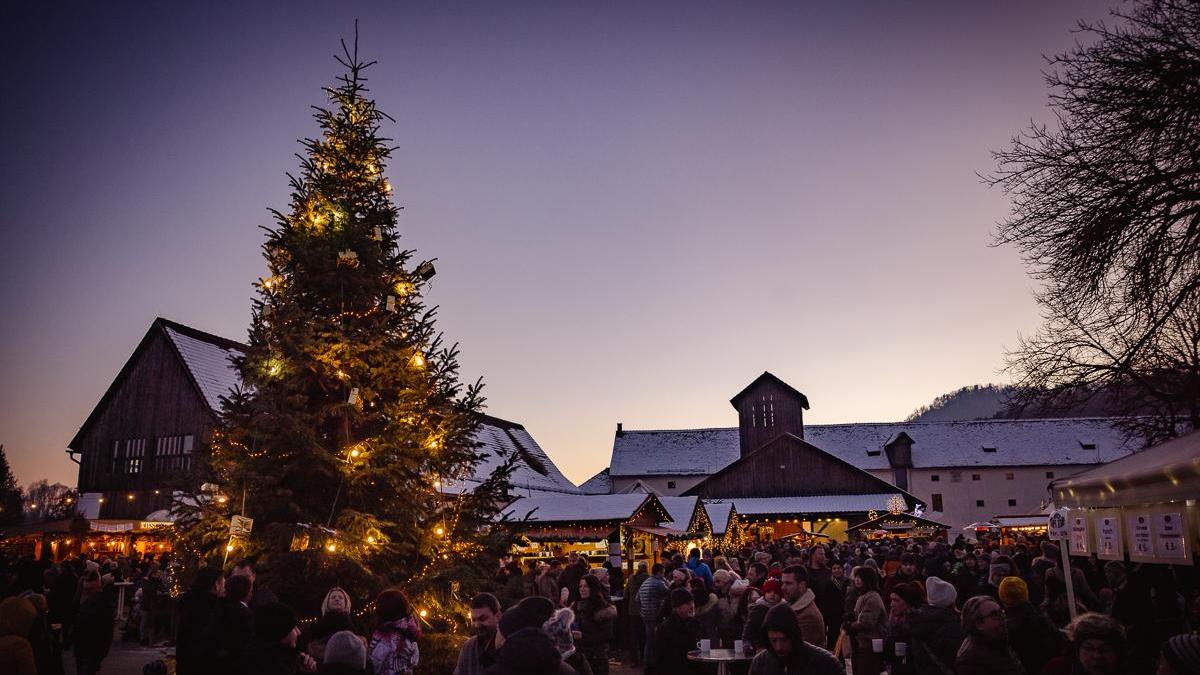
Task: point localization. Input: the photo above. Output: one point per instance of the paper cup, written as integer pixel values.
(901, 649)
(877, 645)
(739, 647)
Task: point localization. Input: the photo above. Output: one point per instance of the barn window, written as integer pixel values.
(1009, 475)
(991, 447)
(976, 476)
(762, 414)
(173, 453)
(670, 485)
(934, 478)
(979, 503)
(937, 501)
(127, 456)
(1012, 502)
(1049, 474)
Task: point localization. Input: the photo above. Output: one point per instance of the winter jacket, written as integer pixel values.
(198, 640)
(672, 642)
(1033, 637)
(812, 624)
(596, 632)
(476, 655)
(632, 586)
(935, 634)
(869, 620)
(753, 633)
(980, 656)
(94, 628)
(16, 618)
(652, 595)
(710, 617)
(393, 647)
(804, 660)
(700, 568)
(528, 651)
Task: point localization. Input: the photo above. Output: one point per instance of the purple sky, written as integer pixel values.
(637, 207)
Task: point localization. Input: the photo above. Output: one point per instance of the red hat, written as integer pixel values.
(772, 586)
(776, 571)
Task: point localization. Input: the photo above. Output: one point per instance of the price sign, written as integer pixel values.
(1108, 534)
(1056, 525)
(1141, 540)
(1169, 542)
(1080, 541)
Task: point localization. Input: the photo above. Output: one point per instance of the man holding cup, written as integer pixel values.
(677, 636)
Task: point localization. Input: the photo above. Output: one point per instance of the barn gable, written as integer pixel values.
(789, 467)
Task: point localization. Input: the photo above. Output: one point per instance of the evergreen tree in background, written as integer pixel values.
(10, 493)
(352, 417)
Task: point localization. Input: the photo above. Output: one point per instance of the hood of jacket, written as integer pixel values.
(804, 600)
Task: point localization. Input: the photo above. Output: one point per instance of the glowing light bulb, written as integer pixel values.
(370, 540)
(101, 500)
(331, 547)
(130, 497)
(437, 484)
(228, 547)
(423, 613)
(222, 499)
(342, 374)
(355, 452)
(439, 531)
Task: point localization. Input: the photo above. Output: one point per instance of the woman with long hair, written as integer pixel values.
(392, 649)
(867, 623)
(596, 616)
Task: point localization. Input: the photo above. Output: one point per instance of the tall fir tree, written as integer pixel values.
(11, 502)
(352, 416)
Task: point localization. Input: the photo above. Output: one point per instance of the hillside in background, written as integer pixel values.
(976, 402)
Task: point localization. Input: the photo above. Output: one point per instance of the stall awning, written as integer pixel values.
(899, 522)
(1168, 471)
(1020, 521)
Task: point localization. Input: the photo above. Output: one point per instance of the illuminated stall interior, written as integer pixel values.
(899, 526)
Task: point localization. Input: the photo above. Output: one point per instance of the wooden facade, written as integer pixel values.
(767, 408)
(137, 443)
(787, 467)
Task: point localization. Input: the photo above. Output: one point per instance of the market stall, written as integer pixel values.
(899, 526)
(1142, 506)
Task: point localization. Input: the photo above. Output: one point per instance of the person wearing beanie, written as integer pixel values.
(1180, 656)
(907, 573)
(935, 631)
(345, 654)
(273, 650)
(787, 651)
(1098, 647)
(1033, 637)
(525, 649)
(677, 636)
(985, 650)
(752, 633)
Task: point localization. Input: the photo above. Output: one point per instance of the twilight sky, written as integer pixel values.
(637, 207)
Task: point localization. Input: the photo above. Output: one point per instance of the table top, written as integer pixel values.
(718, 656)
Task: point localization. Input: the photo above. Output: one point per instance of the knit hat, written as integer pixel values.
(273, 621)
(1049, 550)
(537, 608)
(515, 618)
(344, 648)
(772, 586)
(1183, 653)
(1013, 590)
(909, 593)
(940, 593)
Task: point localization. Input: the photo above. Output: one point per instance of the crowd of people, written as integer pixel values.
(904, 608)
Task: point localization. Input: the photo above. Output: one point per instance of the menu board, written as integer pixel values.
(1141, 538)
(1169, 540)
(1080, 542)
(1108, 534)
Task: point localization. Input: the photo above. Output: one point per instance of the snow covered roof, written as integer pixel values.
(771, 506)
(600, 484)
(533, 473)
(718, 515)
(680, 509)
(210, 364)
(562, 508)
(1037, 442)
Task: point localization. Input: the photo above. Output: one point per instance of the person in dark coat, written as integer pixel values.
(63, 600)
(986, 650)
(198, 640)
(787, 651)
(1033, 637)
(935, 630)
(273, 650)
(677, 636)
(93, 626)
(596, 616)
(523, 648)
(236, 624)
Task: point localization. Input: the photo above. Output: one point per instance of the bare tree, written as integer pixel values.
(49, 501)
(1106, 211)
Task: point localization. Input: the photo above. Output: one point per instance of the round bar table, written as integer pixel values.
(721, 657)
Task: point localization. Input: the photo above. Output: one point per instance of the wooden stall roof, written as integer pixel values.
(898, 521)
(1168, 471)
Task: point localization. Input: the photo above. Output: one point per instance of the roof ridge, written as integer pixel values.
(197, 334)
(1026, 420)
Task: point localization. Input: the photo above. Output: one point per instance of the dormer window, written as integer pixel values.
(1087, 444)
(989, 447)
(874, 452)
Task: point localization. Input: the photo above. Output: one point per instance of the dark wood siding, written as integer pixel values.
(788, 467)
(153, 398)
(767, 411)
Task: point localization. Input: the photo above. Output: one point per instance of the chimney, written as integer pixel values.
(620, 430)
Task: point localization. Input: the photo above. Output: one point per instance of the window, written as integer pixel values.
(173, 453)
(934, 478)
(1012, 502)
(670, 485)
(127, 456)
(762, 414)
(989, 448)
(1049, 474)
(874, 452)
(975, 476)
(979, 503)
(1010, 475)
(937, 501)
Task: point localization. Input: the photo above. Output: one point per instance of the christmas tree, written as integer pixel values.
(351, 416)
(10, 493)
